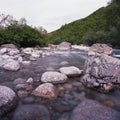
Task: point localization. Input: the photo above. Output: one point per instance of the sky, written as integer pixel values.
(50, 14)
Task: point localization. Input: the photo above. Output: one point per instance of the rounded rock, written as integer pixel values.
(31, 112)
(54, 77)
(92, 110)
(46, 90)
(19, 81)
(71, 71)
(7, 99)
(11, 65)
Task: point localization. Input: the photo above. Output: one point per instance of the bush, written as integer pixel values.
(21, 35)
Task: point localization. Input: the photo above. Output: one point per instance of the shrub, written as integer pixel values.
(21, 35)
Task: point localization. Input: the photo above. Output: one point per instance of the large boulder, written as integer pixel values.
(7, 99)
(31, 112)
(92, 110)
(64, 46)
(71, 71)
(46, 90)
(102, 72)
(98, 48)
(53, 77)
(11, 65)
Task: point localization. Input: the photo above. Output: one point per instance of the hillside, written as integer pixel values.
(101, 26)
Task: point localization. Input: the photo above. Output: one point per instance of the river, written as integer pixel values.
(75, 92)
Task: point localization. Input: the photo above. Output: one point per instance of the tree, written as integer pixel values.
(19, 33)
(41, 30)
(22, 21)
(6, 20)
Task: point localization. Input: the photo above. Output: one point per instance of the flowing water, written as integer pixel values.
(74, 93)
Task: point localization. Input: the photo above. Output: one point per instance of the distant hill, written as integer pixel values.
(101, 26)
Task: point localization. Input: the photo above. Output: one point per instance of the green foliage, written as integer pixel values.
(74, 31)
(102, 26)
(21, 35)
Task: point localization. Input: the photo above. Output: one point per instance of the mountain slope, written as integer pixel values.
(97, 27)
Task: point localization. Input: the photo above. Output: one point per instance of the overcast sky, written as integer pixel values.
(50, 14)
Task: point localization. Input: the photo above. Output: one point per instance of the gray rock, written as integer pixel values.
(99, 48)
(21, 87)
(102, 72)
(28, 100)
(54, 77)
(7, 99)
(64, 63)
(92, 110)
(12, 46)
(11, 65)
(1, 61)
(30, 80)
(26, 62)
(3, 50)
(13, 52)
(31, 112)
(28, 51)
(71, 71)
(22, 93)
(46, 90)
(52, 46)
(64, 46)
(19, 81)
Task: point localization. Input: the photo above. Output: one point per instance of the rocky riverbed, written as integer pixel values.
(45, 84)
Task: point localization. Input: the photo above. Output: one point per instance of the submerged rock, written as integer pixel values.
(7, 99)
(64, 63)
(54, 77)
(92, 110)
(31, 112)
(102, 72)
(70, 71)
(19, 81)
(46, 90)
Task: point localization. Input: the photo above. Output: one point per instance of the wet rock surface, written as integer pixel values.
(92, 110)
(71, 71)
(11, 65)
(102, 72)
(53, 77)
(46, 90)
(31, 112)
(7, 100)
(98, 49)
(70, 93)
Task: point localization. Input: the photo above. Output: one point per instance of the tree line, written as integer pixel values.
(19, 33)
(102, 26)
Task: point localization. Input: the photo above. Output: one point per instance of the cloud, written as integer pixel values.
(50, 14)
